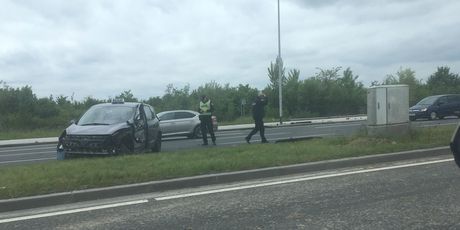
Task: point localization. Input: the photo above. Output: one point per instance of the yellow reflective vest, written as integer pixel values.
(205, 107)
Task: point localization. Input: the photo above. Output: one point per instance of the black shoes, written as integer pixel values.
(248, 139)
(205, 144)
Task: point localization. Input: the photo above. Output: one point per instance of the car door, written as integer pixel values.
(184, 121)
(152, 123)
(140, 128)
(454, 100)
(443, 106)
(450, 106)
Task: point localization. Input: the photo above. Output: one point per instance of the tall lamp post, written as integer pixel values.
(279, 62)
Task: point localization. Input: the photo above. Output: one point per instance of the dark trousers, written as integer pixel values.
(259, 127)
(206, 126)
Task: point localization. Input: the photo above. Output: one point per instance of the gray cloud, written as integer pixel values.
(103, 47)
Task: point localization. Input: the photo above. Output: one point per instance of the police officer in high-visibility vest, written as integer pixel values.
(205, 110)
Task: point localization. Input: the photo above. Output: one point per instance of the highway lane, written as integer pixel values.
(421, 194)
(46, 152)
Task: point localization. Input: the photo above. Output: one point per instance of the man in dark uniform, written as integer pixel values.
(206, 108)
(258, 114)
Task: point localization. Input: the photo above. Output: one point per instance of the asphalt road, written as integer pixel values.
(46, 152)
(420, 194)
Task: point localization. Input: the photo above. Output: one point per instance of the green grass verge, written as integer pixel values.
(76, 174)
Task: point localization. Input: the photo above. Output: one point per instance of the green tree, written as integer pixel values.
(390, 80)
(407, 76)
(353, 95)
(127, 96)
(328, 90)
(443, 81)
(291, 94)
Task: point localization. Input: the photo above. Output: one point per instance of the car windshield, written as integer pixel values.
(427, 101)
(107, 115)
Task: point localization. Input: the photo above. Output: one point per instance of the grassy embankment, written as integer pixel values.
(76, 174)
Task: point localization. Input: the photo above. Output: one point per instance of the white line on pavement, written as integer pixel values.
(24, 154)
(25, 149)
(336, 126)
(433, 125)
(73, 211)
(298, 180)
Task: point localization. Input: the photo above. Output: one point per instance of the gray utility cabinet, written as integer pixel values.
(388, 104)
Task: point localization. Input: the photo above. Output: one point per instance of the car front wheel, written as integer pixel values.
(433, 115)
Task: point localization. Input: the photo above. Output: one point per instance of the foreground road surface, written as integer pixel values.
(403, 195)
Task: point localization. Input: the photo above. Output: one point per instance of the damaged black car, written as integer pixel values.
(112, 129)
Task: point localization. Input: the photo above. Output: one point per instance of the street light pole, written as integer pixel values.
(279, 62)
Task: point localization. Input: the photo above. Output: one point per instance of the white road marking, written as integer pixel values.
(72, 211)
(25, 149)
(433, 125)
(24, 154)
(297, 180)
(335, 126)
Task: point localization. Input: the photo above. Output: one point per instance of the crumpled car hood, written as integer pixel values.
(95, 129)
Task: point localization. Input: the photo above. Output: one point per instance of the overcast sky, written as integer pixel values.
(100, 48)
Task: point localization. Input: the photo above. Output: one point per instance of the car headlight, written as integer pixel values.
(424, 109)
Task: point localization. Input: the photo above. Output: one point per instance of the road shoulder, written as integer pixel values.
(211, 179)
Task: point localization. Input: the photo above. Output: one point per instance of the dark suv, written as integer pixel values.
(438, 106)
(111, 129)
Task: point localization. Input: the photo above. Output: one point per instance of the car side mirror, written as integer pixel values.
(138, 121)
(73, 121)
(137, 118)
